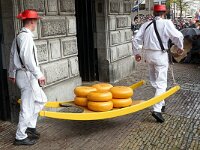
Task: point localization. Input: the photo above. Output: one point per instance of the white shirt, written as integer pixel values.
(27, 51)
(149, 39)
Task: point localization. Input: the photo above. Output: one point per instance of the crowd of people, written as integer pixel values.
(137, 21)
(185, 23)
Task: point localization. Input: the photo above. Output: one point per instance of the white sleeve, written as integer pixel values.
(12, 68)
(27, 56)
(137, 40)
(175, 35)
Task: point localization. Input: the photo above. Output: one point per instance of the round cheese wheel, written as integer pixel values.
(100, 106)
(119, 103)
(98, 96)
(121, 92)
(80, 101)
(83, 91)
(102, 86)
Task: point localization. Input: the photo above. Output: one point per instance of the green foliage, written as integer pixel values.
(182, 5)
(168, 3)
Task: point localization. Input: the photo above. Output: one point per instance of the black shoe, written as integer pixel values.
(32, 133)
(163, 109)
(26, 141)
(158, 116)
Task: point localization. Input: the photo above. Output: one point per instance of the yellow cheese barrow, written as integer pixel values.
(116, 112)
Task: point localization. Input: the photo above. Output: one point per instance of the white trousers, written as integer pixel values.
(158, 64)
(33, 100)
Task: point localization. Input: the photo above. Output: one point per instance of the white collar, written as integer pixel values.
(158, 18)
(27, 30)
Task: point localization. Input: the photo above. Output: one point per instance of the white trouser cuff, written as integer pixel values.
(157, 107)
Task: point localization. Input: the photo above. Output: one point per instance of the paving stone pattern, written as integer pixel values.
(138, 131)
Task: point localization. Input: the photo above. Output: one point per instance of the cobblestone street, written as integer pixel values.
(138, 131)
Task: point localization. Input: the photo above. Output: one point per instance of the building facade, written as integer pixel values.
(77, 40)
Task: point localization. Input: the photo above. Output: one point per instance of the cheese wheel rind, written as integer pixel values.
(100, 106)
(81, 101)
(102, 86)
(119, 103)
(83, 91)
(98, 96)
(121, 92)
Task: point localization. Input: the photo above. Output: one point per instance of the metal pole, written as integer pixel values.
(149, 7)
(174, 11)
(138, 9)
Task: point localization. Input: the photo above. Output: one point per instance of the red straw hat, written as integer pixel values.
(28, 14)
(159, 8)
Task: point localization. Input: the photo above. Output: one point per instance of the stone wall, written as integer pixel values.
(119, 39)
(113, 39)
(101, 41)
(56, 42)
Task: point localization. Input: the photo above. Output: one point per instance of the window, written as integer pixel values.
(163, 2)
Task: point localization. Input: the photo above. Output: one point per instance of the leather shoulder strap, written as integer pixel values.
(158, 36)
(18, 51)
(148, 25)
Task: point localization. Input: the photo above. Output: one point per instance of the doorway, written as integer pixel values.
(86, 29)
(5, 113)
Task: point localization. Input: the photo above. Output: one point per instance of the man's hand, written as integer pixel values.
(180, 51)
(12, 80)
(138, 57)
(42, 81)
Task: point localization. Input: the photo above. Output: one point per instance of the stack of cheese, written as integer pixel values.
(81, 93)
(121, 96)
(103, 97)
(100, 100)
